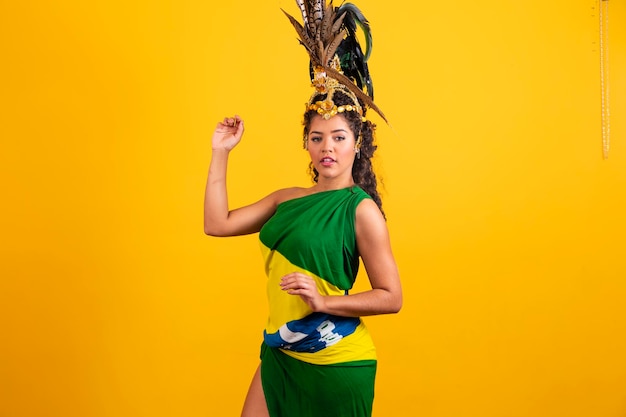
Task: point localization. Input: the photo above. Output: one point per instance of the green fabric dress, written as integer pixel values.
(315, 364)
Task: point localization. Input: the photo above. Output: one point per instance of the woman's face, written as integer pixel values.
(331, 147)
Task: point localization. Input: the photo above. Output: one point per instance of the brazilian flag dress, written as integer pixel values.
(315, 364)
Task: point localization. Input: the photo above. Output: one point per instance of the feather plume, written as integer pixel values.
(330, 50)
(320, 53)
(316, 14)
(303, 36)
(305, 17)
(327, 31)
(353, 61)
(310, 24)
(356, 17)
(338, 22)
(327, 22)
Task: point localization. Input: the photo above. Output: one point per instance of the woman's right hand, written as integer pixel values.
(228, 133)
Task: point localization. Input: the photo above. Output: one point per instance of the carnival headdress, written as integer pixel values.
(337, 62)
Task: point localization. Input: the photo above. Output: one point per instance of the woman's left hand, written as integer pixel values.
(303, 285)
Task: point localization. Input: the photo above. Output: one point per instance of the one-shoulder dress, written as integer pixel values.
(315, 364)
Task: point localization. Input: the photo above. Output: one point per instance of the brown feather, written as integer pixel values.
(338, 23)
(327, 23)
(320, 53)
(302, 7)
(355, 89)
(317, 16)
(332, 47)
(304, 37)
(310, 7)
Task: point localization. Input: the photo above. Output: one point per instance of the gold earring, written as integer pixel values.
(357, 146)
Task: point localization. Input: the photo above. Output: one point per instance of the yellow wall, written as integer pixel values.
(508, 225)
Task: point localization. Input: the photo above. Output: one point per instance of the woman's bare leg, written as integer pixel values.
(255, 405)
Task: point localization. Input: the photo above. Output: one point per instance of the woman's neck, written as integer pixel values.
(324, 184)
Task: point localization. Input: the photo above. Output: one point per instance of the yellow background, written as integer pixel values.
(508, 225)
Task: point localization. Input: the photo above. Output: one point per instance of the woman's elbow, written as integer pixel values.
(213, 230)
(395, 304)
(209, 229)
(396, 307)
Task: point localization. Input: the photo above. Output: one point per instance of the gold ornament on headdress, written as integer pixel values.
(327, 85)
(338, 64)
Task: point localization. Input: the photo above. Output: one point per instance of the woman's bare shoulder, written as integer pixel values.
(285, 194)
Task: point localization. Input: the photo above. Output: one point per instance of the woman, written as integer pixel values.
(337, 159)
(317, 357)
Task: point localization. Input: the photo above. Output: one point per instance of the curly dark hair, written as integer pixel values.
(362, 171)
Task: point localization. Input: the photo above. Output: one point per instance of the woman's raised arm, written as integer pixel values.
(218, 219)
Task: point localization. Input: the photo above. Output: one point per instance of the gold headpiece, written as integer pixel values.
(327, 85)
(337, 61)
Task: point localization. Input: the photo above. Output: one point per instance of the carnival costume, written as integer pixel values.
(317, 364)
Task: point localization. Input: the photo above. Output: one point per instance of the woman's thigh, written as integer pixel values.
(254, 405)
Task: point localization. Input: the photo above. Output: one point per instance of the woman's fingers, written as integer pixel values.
(300, 284)
(296, 280)
(231, 121)
(304, 286)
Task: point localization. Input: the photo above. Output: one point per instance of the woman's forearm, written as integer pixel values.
(367, 303)
(216, 195)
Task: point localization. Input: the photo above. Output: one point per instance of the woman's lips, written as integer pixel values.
(327, 161)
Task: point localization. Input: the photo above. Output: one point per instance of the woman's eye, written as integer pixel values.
(338, 138)
(315, 139)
